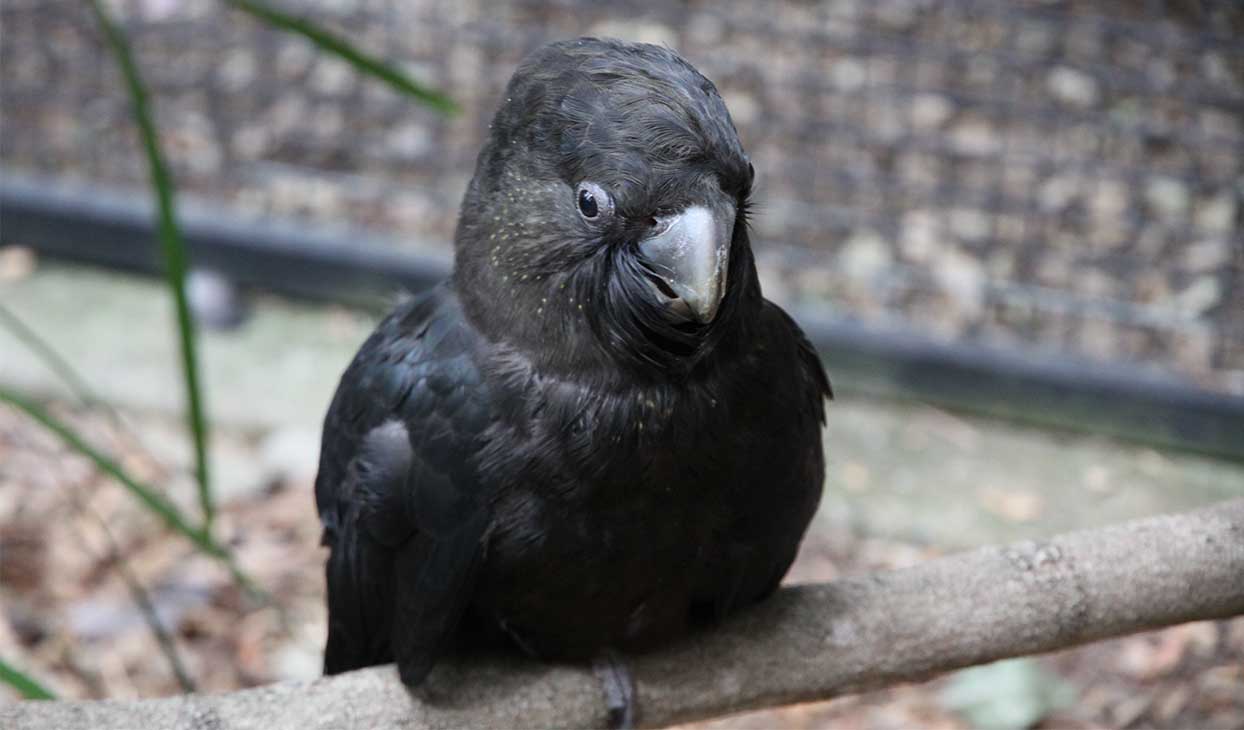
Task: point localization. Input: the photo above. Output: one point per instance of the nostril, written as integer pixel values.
(663, 286)
(653, 222)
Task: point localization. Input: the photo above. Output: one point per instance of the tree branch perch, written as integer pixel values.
(806, 643)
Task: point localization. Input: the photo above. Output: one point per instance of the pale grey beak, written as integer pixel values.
(688, 254)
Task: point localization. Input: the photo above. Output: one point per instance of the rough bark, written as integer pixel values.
(806, 643)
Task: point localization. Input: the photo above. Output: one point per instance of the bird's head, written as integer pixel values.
(606, 222)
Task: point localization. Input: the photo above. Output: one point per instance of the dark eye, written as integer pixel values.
(593, 201)
(587, 204)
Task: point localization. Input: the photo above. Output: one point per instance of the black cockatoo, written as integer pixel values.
(597, 433)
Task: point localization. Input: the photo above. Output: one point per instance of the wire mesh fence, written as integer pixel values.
(1060, 175)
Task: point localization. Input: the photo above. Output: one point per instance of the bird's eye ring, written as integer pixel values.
(594, 202)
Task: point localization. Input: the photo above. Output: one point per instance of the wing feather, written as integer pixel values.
(404, 515)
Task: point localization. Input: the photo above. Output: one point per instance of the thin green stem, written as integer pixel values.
(55, 362)
(23, 683)
(68, 375)
(174, 249)
(138, 593)
(145, 493)
(364, 62)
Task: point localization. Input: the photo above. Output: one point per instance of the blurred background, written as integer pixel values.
(1014, 229)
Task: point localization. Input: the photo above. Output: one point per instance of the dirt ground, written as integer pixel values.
(68, 618)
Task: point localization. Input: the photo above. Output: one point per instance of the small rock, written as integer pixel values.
(331, 76)
(1098, 338)
(1058, 191)
(637, 30)
(193, 144)
(1072, 87)
(1151, 241)
(976, 136)
(962, 276)
(1206, 256)
(969, 224)
(1219, 124)
(847, 74)
(921, 235)
(1203, 294)
(1193, 347)
(1108, 200)
(1161, 73)
(294, 58)
(930, 111)
(1217, 214)
(1168, 197)
(156, 11)
(287, 114)
(886, 121)
(328, 122)
(1216, 69)
(705, 29)
(251, 141)
(1096, 283)
(742, 105)
(237, 71)
(1033, 39)
(1081, 40)
(865, 255)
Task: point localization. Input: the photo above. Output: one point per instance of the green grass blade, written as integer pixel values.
(68, 375)
(146, 494)
(174, 250)
(28, 687)
(138, 593)
(50, 357)
(363, 62)
(142, 598)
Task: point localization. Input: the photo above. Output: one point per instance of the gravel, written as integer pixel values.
(1031, 143)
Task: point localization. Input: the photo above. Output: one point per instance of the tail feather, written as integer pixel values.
(360, 599)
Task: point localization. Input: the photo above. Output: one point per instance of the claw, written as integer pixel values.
(619, 687)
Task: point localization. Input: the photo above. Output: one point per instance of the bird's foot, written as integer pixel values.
(619, 687)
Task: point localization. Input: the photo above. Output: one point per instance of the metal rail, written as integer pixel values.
(106, 229)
